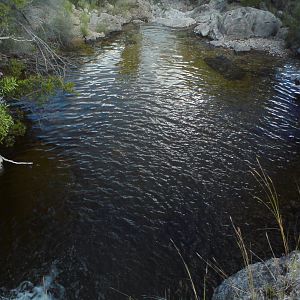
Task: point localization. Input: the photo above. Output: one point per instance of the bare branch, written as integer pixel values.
(13, 162)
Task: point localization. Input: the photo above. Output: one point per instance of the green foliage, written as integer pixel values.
(88, 3)
(292, 20)
(6, 122)
(16, 130)
(251, 3)
(16, 68)
(34, 87)
(122, 6)
(40, 88)
(67, 6)
(7, 10)
(8, 85)
(84, 24)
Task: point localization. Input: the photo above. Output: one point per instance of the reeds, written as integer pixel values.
(271, 201)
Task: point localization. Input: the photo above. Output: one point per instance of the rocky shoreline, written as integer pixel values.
(277, 278)
(241, 29)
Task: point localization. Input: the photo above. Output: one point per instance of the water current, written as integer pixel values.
(153, 146)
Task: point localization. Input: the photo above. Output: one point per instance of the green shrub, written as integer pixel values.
(6, 122)
(292, 20)
(16, 68)
(17, 129)
(8, 85)
(61, 28)
(251, 3)
(122, 6)
(84, 24)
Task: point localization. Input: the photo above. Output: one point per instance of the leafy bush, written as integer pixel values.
(7, 85)
(88, 3)
(252, 3)
(17, 129)
(84, 24)
(16, 68)
(6, 122)
(292, 20)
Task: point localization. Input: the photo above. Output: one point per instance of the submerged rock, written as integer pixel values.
(277, 278)
(225, 67)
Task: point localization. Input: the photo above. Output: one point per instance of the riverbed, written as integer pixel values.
(154, 146)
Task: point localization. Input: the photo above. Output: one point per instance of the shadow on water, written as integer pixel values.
(156, 145)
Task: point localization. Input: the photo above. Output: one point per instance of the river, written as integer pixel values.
(153, 146)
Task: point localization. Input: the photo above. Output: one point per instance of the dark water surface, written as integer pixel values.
(155, 146)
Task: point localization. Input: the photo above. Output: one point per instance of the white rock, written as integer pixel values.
(176, 19)
(203, 29)
(94, 36)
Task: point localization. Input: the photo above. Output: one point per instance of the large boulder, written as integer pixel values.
(105, 22)
(246, 22)
(142, 11)
(239, 23)
(176, 19)
(277, 278)
(208, 24)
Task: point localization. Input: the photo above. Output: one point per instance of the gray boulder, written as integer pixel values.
(141, 11)
(176, 19)
(239, 23)
(277, 278)
(246, 22)
(208, 24)
(105, 22)
(94, 37)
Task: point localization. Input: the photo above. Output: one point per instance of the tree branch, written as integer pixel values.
(13, 162)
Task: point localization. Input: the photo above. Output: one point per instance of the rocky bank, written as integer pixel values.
(228, 25)
(219, 22)
(277, 278)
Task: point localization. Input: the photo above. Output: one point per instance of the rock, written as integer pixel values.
(218, 4)
(105, 23)
(142, 11)
(203, 29)
(297, 80)
(277, 278)
(246, 22)
(137, 22)
(225, 67)
(176, 19)
(208, 24)
(94, 36)
(282, 33)
(239, 48)
(279, 13)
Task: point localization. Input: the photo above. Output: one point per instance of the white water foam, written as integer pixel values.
(48, 290)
